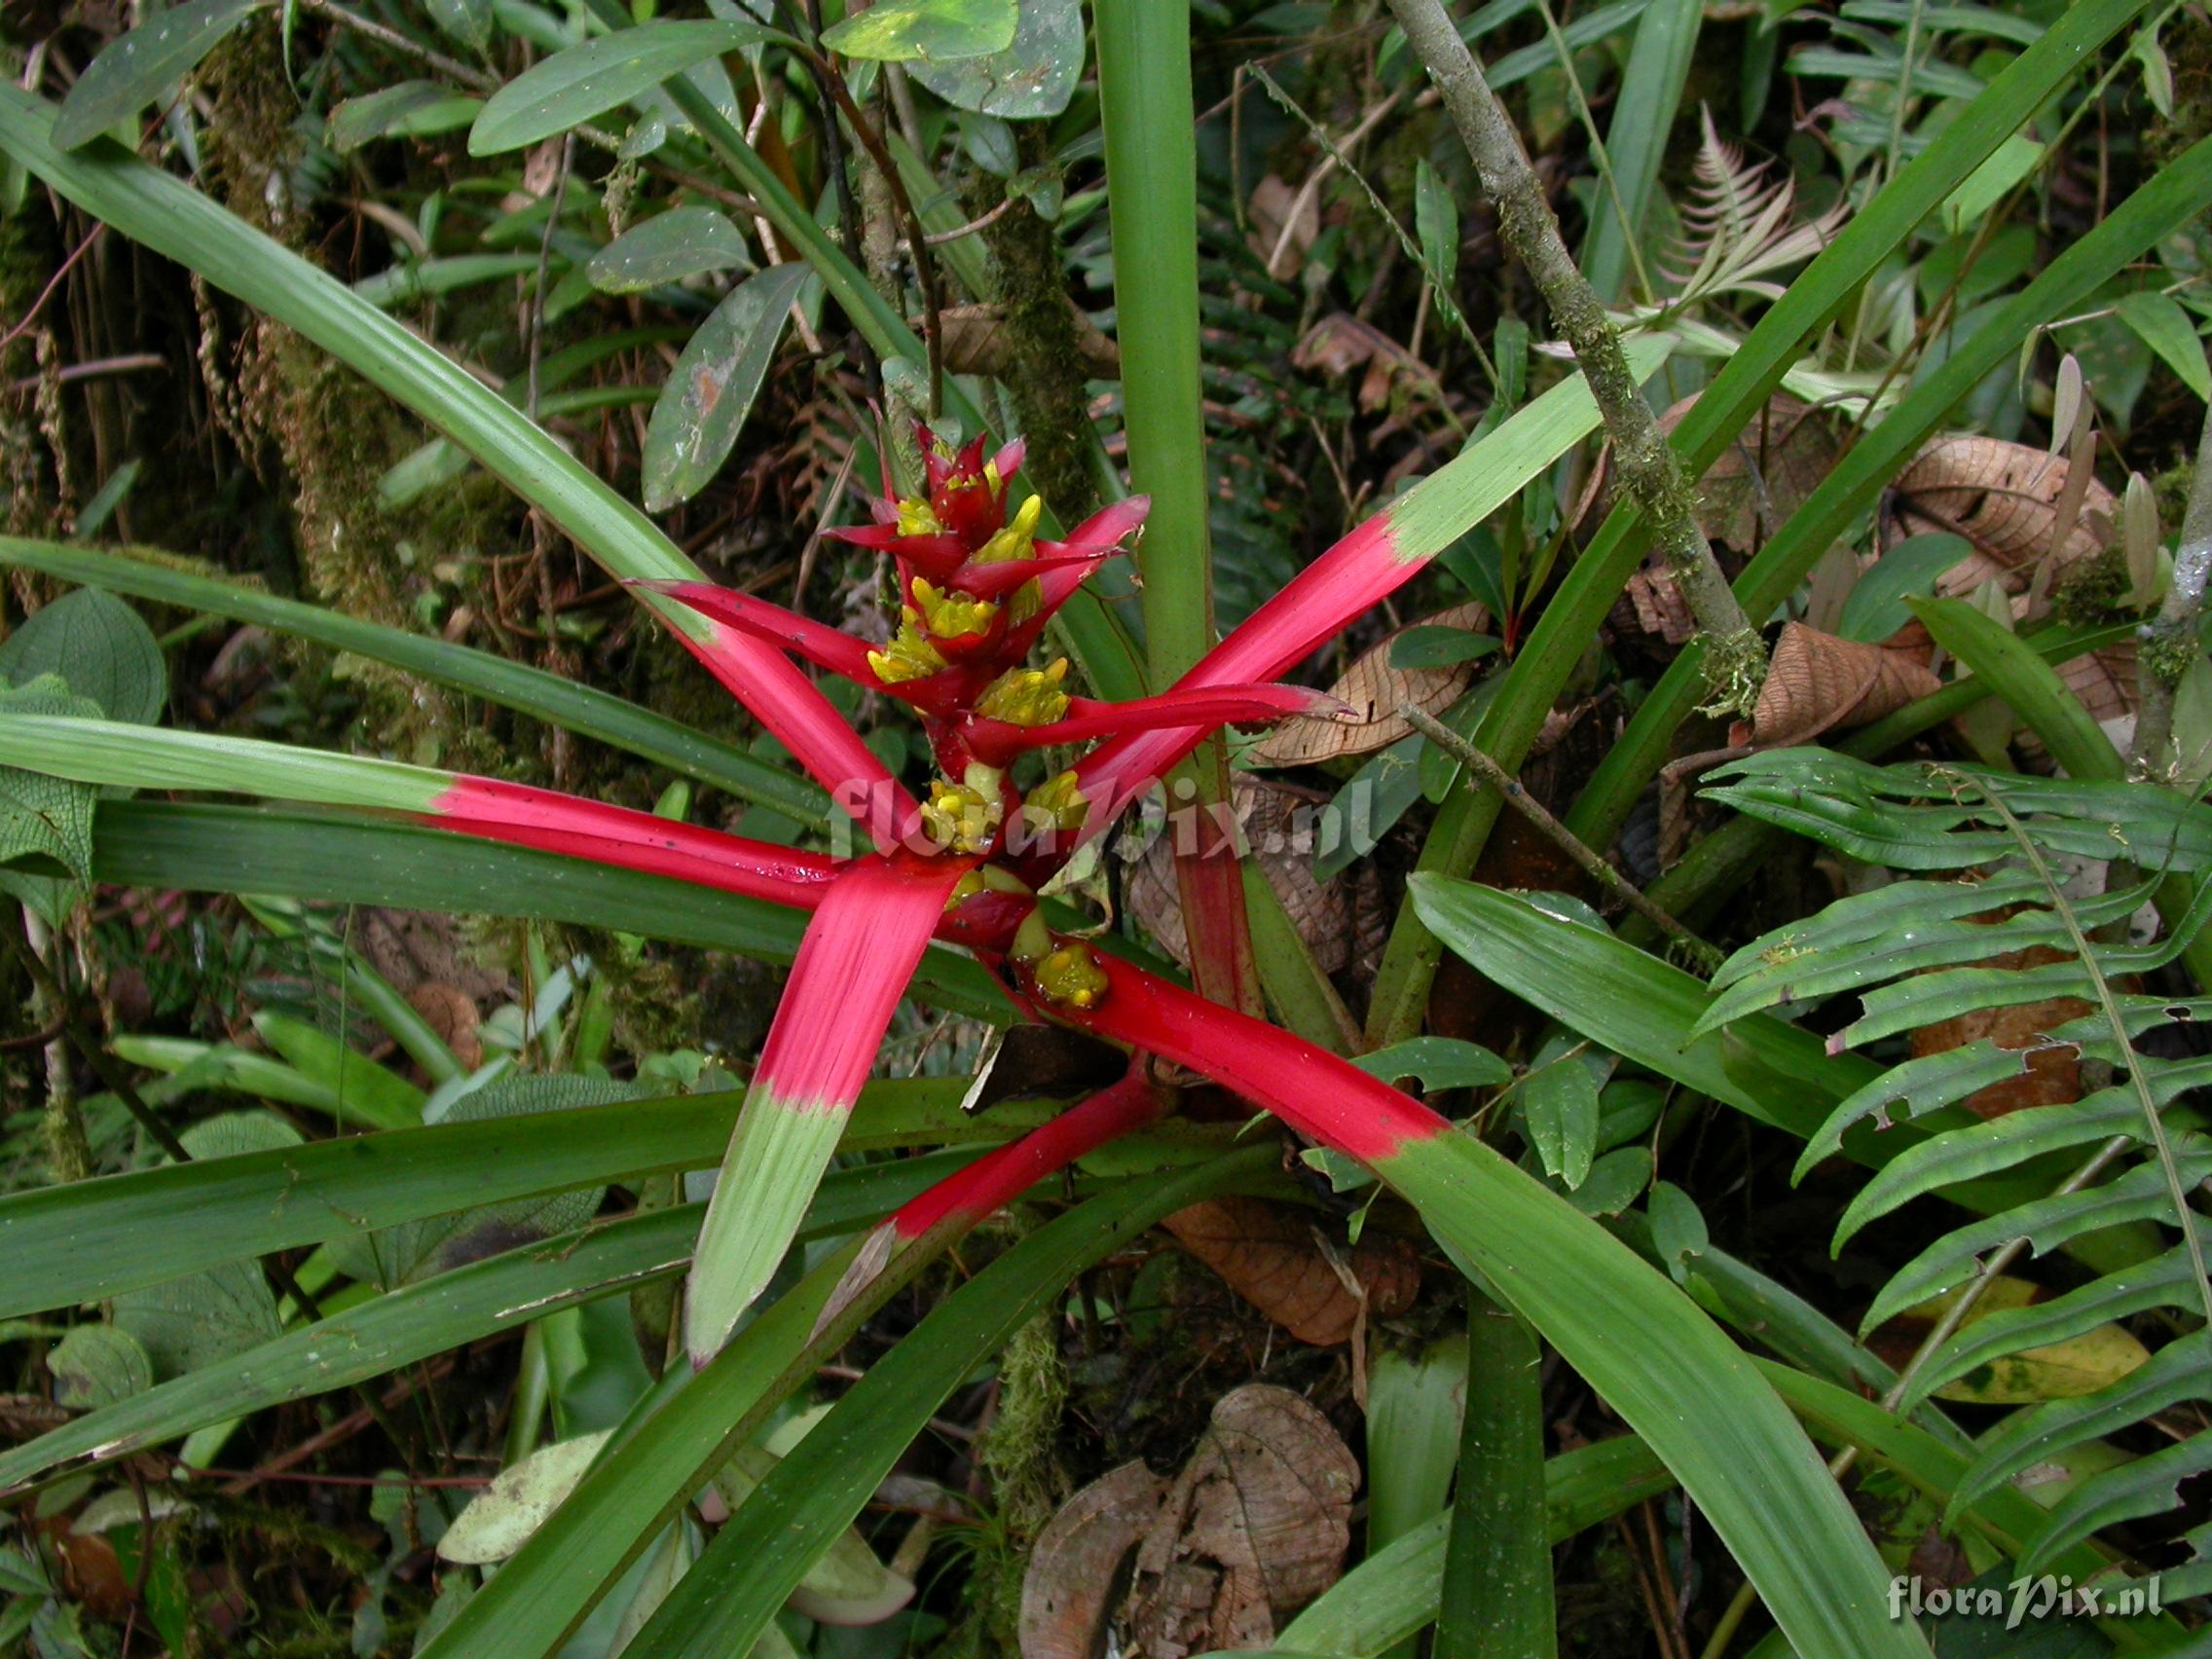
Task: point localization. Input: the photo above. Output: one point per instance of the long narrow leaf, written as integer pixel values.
(331, 860)
(1640, 1342)
(578, 708)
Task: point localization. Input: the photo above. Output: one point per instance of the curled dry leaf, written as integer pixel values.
(1660, 608)
(1080, 1565)
(1340, 343)
(1342, 920)
(1778, 460)
(452, 1013)
(1374, 691)
(2005, 499)
(1254, 1527)
(976, 344)
(1817, 682)
(1276, 204)
(1269, 1256)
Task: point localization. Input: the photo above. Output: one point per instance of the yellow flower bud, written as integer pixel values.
(959, 819)
(1057, 803)
(1026, 696)
(909, 655)
(950, 616)
(1017, 539)
(1071, 978)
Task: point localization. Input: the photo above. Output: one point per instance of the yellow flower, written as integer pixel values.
(950, 616)
(960, 819)
(1026, 696)
(909, 655)
(1071, 978)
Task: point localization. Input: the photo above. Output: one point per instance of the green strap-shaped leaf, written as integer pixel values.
(1393, 1594)
(331, 860)
(578, 708)
(141, 66)
(79, 1243)
(587, 80)
(386, 1332)
(765, 1548)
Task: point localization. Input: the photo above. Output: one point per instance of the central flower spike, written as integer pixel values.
(1026, 696)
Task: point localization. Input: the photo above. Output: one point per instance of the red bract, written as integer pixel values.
(976, 587)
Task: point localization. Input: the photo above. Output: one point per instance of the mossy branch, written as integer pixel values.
(2167, 645)
(1735, 662)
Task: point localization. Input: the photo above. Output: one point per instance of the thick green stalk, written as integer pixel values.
(1497, 1567)
(1144, 90)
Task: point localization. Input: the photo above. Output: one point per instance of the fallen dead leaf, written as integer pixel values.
(452, 1013)
(1079, 1568)
(1267, 1255)
(1818, 682)
(976, 343)
(2004, 498)
(1341, 919)
(2050, 1073)
(1256, 1526)
(1374, 691)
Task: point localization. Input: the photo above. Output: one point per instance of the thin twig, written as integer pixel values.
(1735, 660)
(1559, 835)
(52, 283)
(430, 58)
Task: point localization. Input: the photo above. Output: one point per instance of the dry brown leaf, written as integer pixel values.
(452, 1015)
(1255, 1527)
(976, 343)
(1660, 607)
(1766, 474)
(1374, 691)
(2004, 498)
(2051, 1073)
(1275, 203)
(1817, 682)
(1338, 918)
(1069, 1586)
(1267, 1255)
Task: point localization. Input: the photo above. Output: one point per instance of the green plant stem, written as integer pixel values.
(1498, 1599)
(1144, 90)
(1527, 806)
(2166, 647)
(1650, 469)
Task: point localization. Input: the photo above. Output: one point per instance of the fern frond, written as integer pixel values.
(1923, 951)
(1739, 225)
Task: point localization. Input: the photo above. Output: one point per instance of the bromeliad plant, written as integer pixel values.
(982, 588)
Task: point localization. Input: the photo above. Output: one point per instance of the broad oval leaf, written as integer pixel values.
(101, 648)
(411, 109)
(709, 392)
(668, 248)
(1031, 79)
(586, 79)
(135, 70)
(906, 31)
(468, 21)
(500, 1518)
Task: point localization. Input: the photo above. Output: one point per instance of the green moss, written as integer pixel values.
(1734, 668)
(2093, 591)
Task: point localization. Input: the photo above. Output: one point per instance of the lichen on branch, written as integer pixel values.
(1734, 659)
